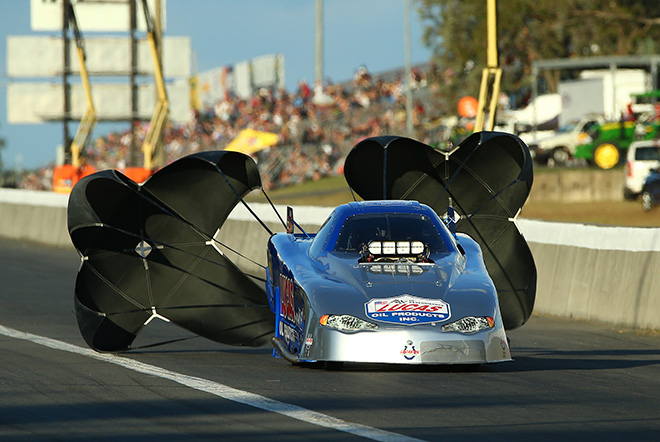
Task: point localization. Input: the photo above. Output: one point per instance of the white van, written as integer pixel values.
(641, 158)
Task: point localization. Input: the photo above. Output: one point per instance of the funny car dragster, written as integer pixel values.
(429, 268)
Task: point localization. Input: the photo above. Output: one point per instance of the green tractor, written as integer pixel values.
(607, 143)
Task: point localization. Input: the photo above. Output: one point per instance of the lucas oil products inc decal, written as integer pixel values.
(407, 310)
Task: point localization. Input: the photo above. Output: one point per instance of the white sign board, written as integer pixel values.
(241, 79)
(94, 16)
(214, 85)
(39, 102)
(267, 71)
(39, 56)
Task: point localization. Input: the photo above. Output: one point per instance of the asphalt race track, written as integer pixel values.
(569, 381)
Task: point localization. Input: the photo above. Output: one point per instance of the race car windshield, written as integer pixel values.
(359, 230)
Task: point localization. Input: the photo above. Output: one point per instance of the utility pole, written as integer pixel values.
(318, 65)
(408, 70)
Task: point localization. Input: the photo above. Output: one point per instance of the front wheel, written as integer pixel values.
(560, 156)
(606, 156)
(647, 201)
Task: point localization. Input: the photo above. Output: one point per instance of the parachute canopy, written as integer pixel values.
(148, 251)
(486, 179)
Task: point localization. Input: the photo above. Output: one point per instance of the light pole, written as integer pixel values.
(318, 64)
(407, 49)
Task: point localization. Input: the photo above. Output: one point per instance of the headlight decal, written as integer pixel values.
(470, 324)
(347, 323)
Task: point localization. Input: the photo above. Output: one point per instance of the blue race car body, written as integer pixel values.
(383, 282)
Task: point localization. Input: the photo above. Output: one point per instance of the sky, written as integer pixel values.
(224, 32)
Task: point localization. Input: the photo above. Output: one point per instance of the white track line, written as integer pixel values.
(217, 389)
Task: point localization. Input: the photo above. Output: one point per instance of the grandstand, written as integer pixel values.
(314, 136)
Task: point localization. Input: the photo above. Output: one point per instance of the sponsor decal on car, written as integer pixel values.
(308, 345)
(409, 352)
(290, 336)
(290, 314)
(287, 304)
(407, 310)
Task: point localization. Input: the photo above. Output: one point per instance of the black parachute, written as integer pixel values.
(149, 251)
(486, 179)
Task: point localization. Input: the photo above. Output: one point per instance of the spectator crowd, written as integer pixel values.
(316, 127)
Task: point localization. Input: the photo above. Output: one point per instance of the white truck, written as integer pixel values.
(557, 149)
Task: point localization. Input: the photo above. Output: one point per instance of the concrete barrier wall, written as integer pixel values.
(577, 186)
(34, 216)
(608, 274)
(241, 233)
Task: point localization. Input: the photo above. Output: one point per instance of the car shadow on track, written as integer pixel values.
(529, 359)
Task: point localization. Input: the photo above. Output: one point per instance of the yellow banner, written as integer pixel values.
(250, 141)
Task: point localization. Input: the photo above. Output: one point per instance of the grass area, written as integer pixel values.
(328, 192)
(334, 191)
(617, 213)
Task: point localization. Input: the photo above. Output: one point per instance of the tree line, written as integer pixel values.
(530, 30)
